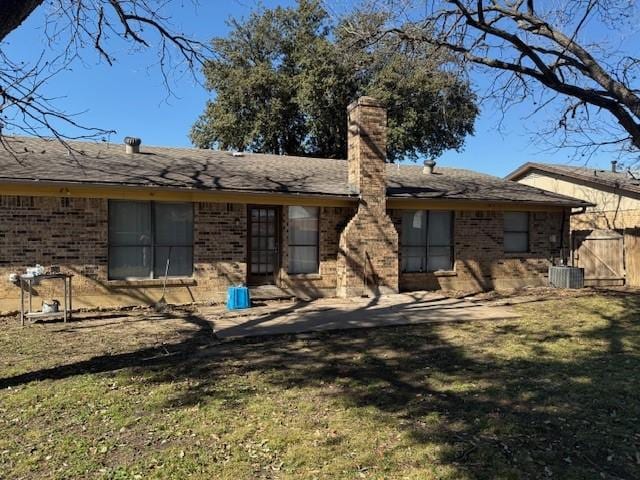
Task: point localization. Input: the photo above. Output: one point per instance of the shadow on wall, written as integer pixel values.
(613, 210)
(368, 259)
(470, 276)
(480, 273)
(522, 411)
(305, 287)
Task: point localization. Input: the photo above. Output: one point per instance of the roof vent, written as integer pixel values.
(132, 144)
(614, 166)
(429, 166)
(238, 154)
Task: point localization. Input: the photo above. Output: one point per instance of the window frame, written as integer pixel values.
(426, 246)
(316, 270)
(152, 240)
(505, 232)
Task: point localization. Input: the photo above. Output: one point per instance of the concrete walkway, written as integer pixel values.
(337, 314)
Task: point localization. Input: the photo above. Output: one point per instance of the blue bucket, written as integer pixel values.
(238, 298)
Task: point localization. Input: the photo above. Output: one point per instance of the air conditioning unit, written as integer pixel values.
(566, 277)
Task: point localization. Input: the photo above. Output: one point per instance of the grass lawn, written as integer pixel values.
(554, 394)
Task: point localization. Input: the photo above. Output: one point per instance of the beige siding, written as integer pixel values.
(612, 210)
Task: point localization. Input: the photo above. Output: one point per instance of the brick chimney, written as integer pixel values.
(368, 253)
(367, 146)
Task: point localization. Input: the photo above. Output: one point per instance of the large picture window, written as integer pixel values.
(427, 241)
(144, 235)
(303, 239)
(516, 232)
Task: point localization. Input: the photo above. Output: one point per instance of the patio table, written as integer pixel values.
(28, 281)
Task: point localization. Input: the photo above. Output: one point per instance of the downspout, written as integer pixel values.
(365, 293)
(563, 258)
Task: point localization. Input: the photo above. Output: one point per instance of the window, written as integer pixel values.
(303, 240)
(516, 232)
(427, 241)
(144, 235)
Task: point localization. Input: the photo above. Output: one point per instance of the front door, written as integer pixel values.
(263, 249)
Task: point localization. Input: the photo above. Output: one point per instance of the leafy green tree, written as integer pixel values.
(283, 79)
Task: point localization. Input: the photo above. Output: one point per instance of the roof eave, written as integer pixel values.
(104, 190)
(413, 200)
(529, 167)
(519, 172)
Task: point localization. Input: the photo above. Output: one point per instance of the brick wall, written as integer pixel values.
(332, 222)
(73, 233)
(219, 249)
(35, 227)
(69, 232)
(480, 262)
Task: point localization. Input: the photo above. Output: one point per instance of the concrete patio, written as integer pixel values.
(338, 314)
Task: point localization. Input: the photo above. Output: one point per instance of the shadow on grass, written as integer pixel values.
(146, 357)
(532, 415)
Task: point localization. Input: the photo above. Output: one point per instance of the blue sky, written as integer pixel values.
(129, 96)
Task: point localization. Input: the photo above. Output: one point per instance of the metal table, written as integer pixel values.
(29, 280)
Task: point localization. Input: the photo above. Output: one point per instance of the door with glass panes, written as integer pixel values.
(263, 246)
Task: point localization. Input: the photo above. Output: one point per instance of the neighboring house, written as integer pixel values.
(112, 216)
(605, 236)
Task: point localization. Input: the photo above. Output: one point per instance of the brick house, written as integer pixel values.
(113, 215)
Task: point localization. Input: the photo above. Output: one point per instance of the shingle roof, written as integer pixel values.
(605, 178)
(186, 168)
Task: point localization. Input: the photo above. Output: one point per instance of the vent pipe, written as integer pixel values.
(132, 144)
(614, 165)
(429, 166)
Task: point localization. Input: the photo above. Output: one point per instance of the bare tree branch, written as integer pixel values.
(540, 46)
(72, 27)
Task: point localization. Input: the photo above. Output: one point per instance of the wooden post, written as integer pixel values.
(70, 277)
(64, 280)
(632, 256)
(30, 295)
(22, 301)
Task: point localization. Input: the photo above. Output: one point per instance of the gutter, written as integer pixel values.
(491, 202)
(142, 191)
(149, 192)
(75, 184)
(581, 211)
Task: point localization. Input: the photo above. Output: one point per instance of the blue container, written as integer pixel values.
(238, 298)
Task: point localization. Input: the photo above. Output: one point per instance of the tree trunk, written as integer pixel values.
(13, 13)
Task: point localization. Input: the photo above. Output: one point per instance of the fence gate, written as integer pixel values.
(601, 254)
